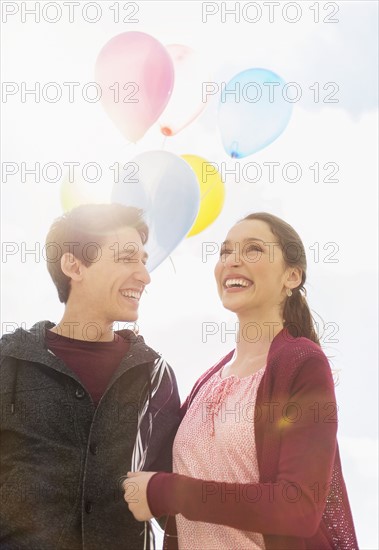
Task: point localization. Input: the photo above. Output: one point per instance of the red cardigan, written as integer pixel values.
(300, 501)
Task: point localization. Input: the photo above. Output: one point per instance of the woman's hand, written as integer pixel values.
(135, 494)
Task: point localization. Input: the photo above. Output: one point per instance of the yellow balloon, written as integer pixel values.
(212, 192)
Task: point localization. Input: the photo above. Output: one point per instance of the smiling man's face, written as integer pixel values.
(112, 286)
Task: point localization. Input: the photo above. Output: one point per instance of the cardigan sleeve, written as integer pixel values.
(291, 504)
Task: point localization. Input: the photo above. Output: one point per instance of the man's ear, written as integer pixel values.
(294, 275)
(72, 267)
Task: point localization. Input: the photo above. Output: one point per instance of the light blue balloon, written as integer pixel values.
(255, 108)
(168, 191)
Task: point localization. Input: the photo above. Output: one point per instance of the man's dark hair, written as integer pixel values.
(81, 226)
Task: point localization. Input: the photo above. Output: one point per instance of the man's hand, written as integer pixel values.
(135, 494)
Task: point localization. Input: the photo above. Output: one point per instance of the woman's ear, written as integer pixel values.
(72, 267)
(294, 275)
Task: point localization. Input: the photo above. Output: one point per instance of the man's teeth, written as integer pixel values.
(236, 282)
(131, 294)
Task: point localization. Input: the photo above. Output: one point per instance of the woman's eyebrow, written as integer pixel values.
(248, 240)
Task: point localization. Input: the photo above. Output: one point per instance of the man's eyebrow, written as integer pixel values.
(127, 253)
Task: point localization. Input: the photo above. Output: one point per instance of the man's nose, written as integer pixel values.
(143, 274)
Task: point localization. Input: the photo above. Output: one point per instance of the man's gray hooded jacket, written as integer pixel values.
(62, 458)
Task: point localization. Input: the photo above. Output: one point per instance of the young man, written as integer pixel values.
(81, 403)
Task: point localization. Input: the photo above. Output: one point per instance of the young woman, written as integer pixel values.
(255, 460)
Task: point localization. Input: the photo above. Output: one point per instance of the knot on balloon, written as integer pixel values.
(166, 131)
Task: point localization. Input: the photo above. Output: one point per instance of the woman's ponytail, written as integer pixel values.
(297, 316)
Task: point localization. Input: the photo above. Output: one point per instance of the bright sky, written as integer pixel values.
(338, 53)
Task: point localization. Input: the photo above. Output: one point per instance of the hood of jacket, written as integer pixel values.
(29, 345)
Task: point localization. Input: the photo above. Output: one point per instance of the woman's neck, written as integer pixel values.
(255, 335)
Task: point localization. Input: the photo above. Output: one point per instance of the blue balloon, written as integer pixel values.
(254, 110)
(166, 188)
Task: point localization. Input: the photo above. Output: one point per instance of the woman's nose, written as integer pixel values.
(234, 257)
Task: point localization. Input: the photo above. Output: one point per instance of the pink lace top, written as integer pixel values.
(215, 441)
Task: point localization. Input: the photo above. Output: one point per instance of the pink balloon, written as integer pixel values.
(136, 75)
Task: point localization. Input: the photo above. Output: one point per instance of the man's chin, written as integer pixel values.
(127, 318)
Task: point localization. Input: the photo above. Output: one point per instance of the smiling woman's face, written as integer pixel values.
(251, 274)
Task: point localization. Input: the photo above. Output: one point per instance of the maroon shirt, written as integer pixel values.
(94, 363)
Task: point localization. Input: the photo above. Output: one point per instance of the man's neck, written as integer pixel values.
(82, 329)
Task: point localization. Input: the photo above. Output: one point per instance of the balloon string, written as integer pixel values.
(173, 265)
(164, 142)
